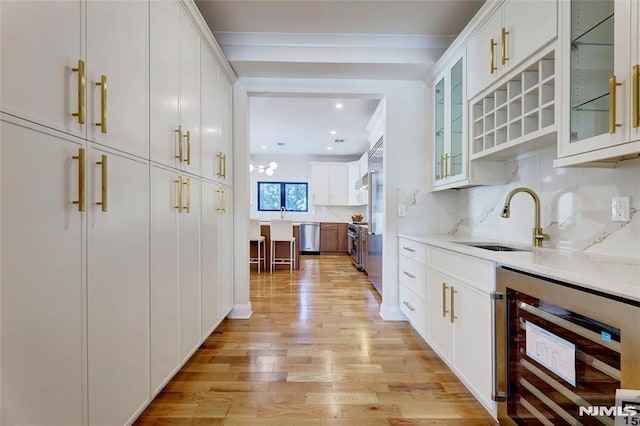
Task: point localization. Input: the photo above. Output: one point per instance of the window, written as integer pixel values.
(272, 196)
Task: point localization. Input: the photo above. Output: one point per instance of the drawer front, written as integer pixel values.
(414, 308)
(412, 250)
(469, 269)
(414, 275)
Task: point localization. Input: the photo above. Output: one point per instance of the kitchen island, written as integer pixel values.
(282, 248)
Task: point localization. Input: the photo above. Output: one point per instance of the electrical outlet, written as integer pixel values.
(620, 209)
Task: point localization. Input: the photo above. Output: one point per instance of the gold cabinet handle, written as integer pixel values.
(179, 132)
(409, 249)
(444, 299)
(612, 105)
(219, 155)
(81, 179)
(81, 86)
(504, 45)
(453, 315)
(103, 104)
(179, 182)
(219, 209)
(442, 166)
(409, 274)
(636, 96)
(224, 166)
(104, 190)
(492, 46)
(446, 166)
(187, 184)
(224, 198)
(408, 305)
(187, 137)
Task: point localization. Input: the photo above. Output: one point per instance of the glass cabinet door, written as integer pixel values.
(454, 167)
(592, 65)
(439, 135)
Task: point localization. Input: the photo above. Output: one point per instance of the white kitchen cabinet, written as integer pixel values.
(412, 278)
(175, 88)
(43, 356)
(329, 184)
(175, 271)
(600, 68)
(117, 75)
(217, 249)
(511, 33)
(40, 46)
(439, 311)
(117, 285)
(354, 176)
(210, 106)
(226, 130)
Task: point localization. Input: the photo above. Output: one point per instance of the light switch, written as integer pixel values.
(402, 210)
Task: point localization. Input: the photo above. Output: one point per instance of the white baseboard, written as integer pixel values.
(391, 313)
(240, 312)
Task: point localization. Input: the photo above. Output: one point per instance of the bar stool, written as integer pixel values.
(282, 230)
(255, 235)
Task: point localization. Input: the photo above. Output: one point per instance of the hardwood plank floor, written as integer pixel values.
(315, 352)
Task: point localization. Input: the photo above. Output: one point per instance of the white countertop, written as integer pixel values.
(612, 275)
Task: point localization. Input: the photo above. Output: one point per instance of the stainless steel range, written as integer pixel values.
(355, 244)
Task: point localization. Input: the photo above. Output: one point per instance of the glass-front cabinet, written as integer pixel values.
(450, 153)
(599, 42)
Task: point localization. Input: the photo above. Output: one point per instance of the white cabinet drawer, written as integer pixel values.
(412, 250)
(414, 308)
(469, 269)
(414, 275)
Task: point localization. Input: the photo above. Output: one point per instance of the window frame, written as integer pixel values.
(283, 195)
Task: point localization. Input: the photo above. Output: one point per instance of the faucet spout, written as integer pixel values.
(282, 212)
(538, 236)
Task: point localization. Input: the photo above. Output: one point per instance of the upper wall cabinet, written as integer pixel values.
(175, 88)
(600, 69)
(329, 184)
(41, 49)
(116, 75)
(512, 33)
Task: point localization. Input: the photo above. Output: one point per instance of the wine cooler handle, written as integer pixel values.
(496, 394)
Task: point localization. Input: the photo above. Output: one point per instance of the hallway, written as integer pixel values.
(314, 352)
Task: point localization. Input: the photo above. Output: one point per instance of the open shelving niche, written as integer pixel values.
(517, 116)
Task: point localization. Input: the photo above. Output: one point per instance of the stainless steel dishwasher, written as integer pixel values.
(310, 238)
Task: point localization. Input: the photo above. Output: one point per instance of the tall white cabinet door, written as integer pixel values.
(118, 287)
(338, 178)
(117, 48)
(190, 95)
(43, 290)
(210, 106)
(473, 330)
(480, 72)
(164, 78)
(165, 276)
(40, 43)
(226, 126)
(320, 184)
(439, 324)
(190, 267)
(226, 252)
(210, 258)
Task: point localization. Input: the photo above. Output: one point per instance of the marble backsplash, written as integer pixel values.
(575, 207)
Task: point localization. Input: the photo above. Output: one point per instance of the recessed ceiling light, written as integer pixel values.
(333, 132)
(329, 148)
(263, 147)
(339, 106)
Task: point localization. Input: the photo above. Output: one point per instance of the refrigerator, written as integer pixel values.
(376, 215)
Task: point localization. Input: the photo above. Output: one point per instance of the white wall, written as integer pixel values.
(298, 169)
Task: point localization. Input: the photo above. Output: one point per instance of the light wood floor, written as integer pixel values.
(315, 352)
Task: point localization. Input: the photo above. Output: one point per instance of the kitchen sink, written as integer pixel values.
(493, 246)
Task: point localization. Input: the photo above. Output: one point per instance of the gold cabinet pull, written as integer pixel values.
(492, 46)
(442, 166)
(81, 179)
(179, 182)
(453, 315)
(612, 104)
(409, 249)
(446, 166)
(219, 209)
(224, 202)
(81, 86)
(636, 96)
(408, 305)
(409, 274)
(504, 45)
(187, 206)
(444, 299)
(104, 190)
(187, 137)
(179, 132)
(103, 104)
(224, 167)
(220, 155)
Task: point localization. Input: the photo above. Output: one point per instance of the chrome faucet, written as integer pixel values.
(538, 235)
(282, 212)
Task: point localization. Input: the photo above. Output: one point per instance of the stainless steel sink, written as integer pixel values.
(493, 246)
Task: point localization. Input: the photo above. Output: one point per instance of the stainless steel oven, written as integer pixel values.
(561, 352)
(354, 245)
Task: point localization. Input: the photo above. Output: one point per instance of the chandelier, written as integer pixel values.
(268, 170)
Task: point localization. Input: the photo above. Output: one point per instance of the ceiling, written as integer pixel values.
(357, 39)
